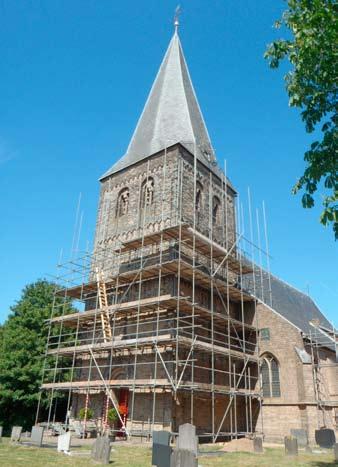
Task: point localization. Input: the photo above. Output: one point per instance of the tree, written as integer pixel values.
(23, 339)
(312, 86)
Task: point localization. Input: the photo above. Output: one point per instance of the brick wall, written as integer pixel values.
(296, 406)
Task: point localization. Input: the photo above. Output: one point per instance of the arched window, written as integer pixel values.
(215, 210)
(147, 192)
(198, 198)
(122, 203)
(270, 376)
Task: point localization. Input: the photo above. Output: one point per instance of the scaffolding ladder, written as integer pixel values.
(103, 303)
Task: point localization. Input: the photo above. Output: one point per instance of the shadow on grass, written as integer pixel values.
(322, 464)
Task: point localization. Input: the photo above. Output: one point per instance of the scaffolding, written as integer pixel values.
(324, 372)
(166, 332)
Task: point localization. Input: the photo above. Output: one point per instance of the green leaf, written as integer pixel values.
(312, 88)
(307, 201)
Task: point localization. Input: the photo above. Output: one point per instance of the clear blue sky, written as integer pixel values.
(73, 80)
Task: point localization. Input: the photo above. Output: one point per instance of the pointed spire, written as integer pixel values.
(171, 115)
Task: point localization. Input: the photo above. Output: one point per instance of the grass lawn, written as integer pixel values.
(140, 456)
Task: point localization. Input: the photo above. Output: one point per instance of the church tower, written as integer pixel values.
(167, 335)
(141, 191)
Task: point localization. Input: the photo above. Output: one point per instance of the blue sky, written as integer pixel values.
(74, 78)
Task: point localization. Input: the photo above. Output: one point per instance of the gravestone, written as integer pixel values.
(335, 452)
(64, 443)
(185, 454)
(101, 450)
(161, 452)
(187, 438)
(301, 435)
(183, 458)
(1, 428)
(258, 444)
(325, 438)
(291, 446)
(37, 435)
(16, 434)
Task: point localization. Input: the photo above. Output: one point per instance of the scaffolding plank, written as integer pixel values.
(149, 341)
(192, 238)
(152, 304)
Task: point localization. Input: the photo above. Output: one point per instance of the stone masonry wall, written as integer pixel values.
(110, 228)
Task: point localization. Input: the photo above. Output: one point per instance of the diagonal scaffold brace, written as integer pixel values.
(108, 392)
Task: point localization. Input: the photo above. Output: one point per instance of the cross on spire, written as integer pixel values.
(176, 17)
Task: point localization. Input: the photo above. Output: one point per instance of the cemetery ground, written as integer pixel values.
(130, 454)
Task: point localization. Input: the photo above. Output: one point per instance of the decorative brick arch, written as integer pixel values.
(199, 197)
(147, 192)
(216, 210)
(122, 205)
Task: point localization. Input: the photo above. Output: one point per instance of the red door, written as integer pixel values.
(123, 408)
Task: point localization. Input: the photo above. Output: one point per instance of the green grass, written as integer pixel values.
(272, 457)
(19, 456)
(140, 456)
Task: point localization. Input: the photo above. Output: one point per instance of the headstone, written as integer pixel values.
(187, 438)
(64, 443)
(335, 452)
(1, 428)
(325, 438)
(183, 458)
(78, 427)
(101, 450)
(291, 446)
(161, 452)
(301, 435)
(37, 435)
(258, 444)
(16, 434)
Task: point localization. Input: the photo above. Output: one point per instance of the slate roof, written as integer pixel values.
(295, 306)
(171, 115)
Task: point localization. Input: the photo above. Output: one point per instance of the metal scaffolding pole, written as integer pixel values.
(175, 304)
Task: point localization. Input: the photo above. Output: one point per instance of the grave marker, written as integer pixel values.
(64, 443)
(335, 452)
(161, 452)
(16, 434)
(183, 458)
(101, 450)
(325, 438)
(187, 438)
(258, 444)
(37, 435)
(291, 446)
(301, 435)
(1, 428)
(185, 454)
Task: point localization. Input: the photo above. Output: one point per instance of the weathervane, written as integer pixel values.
(176, 17)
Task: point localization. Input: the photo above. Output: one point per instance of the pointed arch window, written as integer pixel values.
(147, 192)
(199, 197)
(122, 203)
(216, 204)
(270, 376)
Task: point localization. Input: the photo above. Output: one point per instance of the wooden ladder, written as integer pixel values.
(103, 303)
